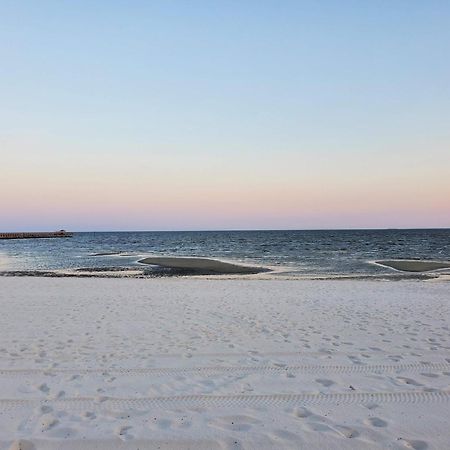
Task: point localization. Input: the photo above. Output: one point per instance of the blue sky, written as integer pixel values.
(312, 93)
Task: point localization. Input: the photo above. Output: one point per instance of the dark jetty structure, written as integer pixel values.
(37, 235)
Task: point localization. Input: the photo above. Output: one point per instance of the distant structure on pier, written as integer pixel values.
(37, 235)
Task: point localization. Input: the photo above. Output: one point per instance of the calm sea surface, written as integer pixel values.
(307, 253)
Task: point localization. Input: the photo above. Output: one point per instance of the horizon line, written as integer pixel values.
(238, 230)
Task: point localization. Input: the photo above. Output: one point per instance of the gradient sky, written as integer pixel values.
(133, 115)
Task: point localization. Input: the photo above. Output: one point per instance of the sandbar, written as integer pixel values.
(201, 265)
(413, 265)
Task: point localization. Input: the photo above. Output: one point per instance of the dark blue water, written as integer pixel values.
(331, 252)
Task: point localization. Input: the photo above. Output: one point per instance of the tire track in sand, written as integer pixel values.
(229, 401)
(212, 370)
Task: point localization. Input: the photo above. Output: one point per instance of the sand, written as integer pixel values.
(223, 364)
(412, 265)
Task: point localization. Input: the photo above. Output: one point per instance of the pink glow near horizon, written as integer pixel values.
(114, 206)
(49, 183)
(49, 191)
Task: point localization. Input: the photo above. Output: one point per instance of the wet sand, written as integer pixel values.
(201, 265)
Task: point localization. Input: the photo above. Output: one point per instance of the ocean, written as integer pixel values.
(302, 253)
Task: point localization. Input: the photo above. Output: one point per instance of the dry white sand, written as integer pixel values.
(231, 364)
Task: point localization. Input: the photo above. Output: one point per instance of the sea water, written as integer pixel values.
(297, 253)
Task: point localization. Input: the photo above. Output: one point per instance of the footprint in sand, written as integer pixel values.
(325, 382)
(22, 445)
(415, 445)
(88, 415)
(234, 423)
(74, 377)
(371, 405)
(409, 381)
(184, 423)
(59, 395)
(286, 436)
(346, 431)
(123, 432)
(47, 422)
(64, 433)
(44, 388)
(161, 424)
(302, 412)
(376, 422)
(165, 424)
(430, 375)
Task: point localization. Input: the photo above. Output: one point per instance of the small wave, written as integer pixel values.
(204, 266)
(102, 269)
(106, 254)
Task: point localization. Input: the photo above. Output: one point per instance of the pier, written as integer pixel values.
(37, 235)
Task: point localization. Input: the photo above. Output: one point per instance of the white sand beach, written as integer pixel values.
(223, 364)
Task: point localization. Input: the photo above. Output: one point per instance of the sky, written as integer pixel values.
(177, 115)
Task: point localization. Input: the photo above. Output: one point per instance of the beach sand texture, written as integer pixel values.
(223, 364)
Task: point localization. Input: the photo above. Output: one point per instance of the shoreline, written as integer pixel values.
(125, 273)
